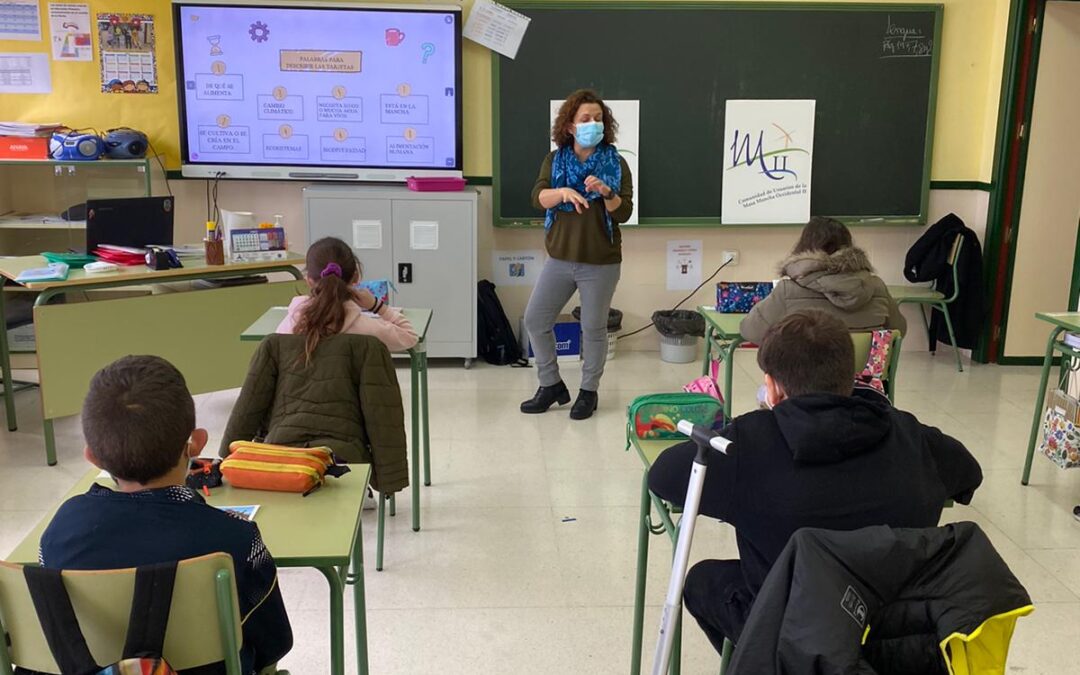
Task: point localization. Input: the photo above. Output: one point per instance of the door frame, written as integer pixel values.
(1019, 81)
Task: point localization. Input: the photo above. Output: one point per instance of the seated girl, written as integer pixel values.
(335, 305)
(825, 271)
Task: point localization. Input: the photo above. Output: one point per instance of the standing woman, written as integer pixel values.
(587, 190)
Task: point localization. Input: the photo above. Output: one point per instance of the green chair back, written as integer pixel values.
(204, 621)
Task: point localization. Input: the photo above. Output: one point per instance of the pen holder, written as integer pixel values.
(215, 251)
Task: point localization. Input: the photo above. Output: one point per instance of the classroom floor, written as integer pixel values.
(525, 563)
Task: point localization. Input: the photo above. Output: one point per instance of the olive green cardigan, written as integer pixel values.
(346, 399)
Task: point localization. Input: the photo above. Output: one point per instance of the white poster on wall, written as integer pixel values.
(516, 268)
(628, 114)
(768, 152)
(683, 265)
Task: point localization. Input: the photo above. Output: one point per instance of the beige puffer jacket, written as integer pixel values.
(842, 284)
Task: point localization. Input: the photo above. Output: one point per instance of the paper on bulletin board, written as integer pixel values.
(768, 152)
(683, 265)
(424, 235)
(25, 73)
(496, 27)
(126, 45)
(517, 268)
(628, 114)
(69, 28)
(20, 20)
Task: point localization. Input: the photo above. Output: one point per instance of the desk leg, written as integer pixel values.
(729, 365)
(709, 332)
(337, 619)
(1040, 400)
(360, 605)
(5, 363)
(424, 420)
(50, 441)
(380, 532)
(642, 575)
(414, 458)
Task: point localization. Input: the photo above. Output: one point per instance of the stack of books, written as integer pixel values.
(26, 140)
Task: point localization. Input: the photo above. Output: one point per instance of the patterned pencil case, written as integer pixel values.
(739, 297)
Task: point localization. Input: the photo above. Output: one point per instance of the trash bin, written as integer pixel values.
(679, 332)
(614, 325)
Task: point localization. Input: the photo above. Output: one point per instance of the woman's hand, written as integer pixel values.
(594, 184)
(365, 299)
(572, 196)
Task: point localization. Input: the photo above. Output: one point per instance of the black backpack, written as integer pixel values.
(494, 336)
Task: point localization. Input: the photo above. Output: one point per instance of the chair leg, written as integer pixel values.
(725, 657)
(931, 344)
(952, 336)
(380, 531)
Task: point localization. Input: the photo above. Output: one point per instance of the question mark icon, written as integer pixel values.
(427, 49)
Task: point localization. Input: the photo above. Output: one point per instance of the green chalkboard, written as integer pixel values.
(871, 68)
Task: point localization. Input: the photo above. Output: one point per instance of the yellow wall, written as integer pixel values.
(972, 49)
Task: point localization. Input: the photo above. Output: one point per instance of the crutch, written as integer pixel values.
(706, 439)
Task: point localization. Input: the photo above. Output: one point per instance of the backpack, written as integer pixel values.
(495, 339)
(148, 621)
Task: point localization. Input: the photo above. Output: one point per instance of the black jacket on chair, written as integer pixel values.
(928, 260)
(914, 597)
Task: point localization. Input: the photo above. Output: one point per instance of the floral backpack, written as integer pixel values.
(878, 362)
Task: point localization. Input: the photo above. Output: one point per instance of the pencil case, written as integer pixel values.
(261, 466)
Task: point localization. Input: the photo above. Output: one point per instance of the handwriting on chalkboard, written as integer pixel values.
(902, 42)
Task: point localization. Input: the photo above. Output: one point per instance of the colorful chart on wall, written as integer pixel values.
(126, 50)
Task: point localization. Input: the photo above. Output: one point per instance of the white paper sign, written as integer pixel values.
(69, 27)
(683, 265)
(628, 114)
(768, 152)
(20, 20)
(367, 234)
(496, 27)
(516, 268)
(423, 235)
(25, 73)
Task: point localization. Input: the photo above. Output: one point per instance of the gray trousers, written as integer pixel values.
(556, 285)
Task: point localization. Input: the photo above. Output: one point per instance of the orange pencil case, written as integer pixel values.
(261, 466)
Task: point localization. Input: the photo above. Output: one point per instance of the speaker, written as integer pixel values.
(125, 143)
(73, 146)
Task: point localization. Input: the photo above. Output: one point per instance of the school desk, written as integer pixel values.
(421, 321)
(1061, 322)
(196, 330)
(335, 547)
(722, 338)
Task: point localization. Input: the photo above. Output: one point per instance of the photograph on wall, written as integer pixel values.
(768, 152)
(126, 45)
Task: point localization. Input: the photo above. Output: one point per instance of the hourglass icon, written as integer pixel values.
(214, 41)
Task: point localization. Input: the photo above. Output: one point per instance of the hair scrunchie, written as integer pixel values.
(331, 269)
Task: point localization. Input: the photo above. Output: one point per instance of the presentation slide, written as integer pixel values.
(319, 87)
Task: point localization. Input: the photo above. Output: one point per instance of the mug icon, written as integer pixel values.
(394, 37)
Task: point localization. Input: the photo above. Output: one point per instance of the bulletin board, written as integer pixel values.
(76, 98)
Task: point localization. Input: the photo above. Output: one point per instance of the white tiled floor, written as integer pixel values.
(498, 582)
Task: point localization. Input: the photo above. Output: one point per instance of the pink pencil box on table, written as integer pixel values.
(435, 184)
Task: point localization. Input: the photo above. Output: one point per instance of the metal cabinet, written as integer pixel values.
(423, 242)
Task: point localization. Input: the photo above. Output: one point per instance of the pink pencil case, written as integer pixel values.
(435, 184)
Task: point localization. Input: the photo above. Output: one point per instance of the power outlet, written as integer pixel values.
(733, 256)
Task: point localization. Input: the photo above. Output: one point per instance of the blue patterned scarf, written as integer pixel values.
(568, 171)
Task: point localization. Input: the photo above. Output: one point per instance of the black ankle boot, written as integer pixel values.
(585, 405)
(545, 397)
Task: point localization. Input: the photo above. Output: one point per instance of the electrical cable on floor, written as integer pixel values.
(692, 293)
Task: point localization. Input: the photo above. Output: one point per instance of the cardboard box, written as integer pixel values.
(18, 147)
(567, 339)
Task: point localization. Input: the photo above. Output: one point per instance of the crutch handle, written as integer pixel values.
(703, 436)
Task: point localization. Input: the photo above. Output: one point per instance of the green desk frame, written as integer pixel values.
(335, 548)
(722, 338)
(421, 437)
(1062, 322)
(75, 340)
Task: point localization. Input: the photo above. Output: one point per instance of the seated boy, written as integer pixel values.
(821, 455)
(139, 423)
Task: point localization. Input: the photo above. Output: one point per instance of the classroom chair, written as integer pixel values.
(204, 620)
(862, 342)
(924, 297)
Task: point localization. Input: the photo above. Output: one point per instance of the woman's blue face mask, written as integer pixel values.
(589, 134)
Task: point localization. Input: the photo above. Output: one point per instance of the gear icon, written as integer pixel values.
(259, 32)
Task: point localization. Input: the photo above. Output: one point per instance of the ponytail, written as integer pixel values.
(331, 267)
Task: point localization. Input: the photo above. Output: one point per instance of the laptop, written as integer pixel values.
(135, 222)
